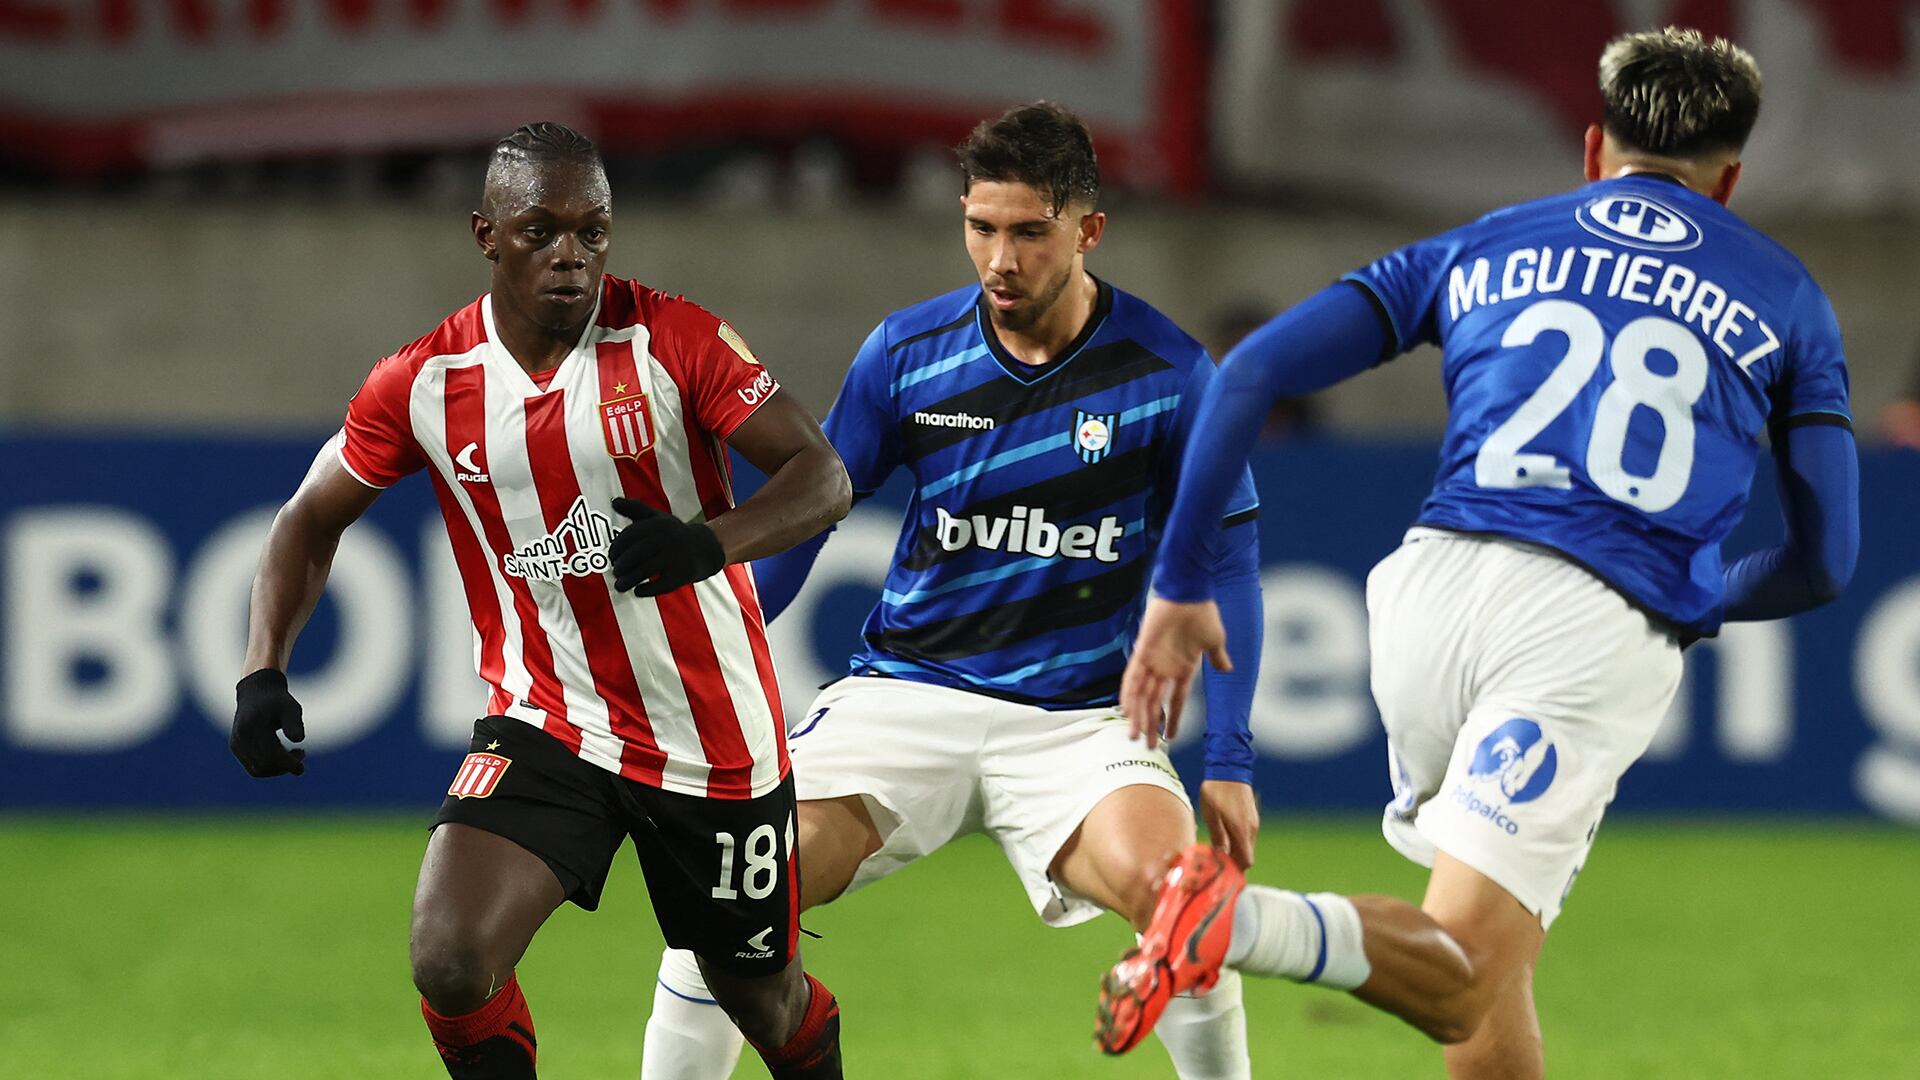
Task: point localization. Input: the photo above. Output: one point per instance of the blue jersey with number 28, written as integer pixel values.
(1611, 357)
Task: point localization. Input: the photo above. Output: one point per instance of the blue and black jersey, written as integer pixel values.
(1039, 493)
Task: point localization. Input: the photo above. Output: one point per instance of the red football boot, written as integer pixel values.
(1180, 952)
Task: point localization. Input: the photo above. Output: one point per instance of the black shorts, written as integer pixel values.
(721, 872)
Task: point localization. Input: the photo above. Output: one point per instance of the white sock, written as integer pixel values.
(688, 1036)
(1313, 938)
(1207, 1036)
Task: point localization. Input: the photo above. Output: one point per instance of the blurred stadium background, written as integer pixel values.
(215, 214)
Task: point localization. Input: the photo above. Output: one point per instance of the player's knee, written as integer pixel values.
(454, 978)
(1136, 882)
(765, 1010)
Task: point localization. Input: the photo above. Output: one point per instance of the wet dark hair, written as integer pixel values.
(1042, 145)
(541, 144)
(1674, 93)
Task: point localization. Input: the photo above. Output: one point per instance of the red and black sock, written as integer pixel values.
(494, 1042)
(814, 1051)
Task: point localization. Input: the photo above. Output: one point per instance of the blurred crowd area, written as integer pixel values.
(265, 196)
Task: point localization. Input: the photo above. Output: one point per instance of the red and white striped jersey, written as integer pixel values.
(677, 691)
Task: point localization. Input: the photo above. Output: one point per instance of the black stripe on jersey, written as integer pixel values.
(1004, 400)
(1391, 347)
(935, 332)
(1813, 419)
(1070, 603)
(1240, 518)
(1064, 498)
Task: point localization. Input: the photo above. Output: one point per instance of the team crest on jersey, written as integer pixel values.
(1093, 434)
(627, 423)
(478, 776)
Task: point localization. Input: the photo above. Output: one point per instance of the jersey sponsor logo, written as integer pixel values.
(478, 776)
(1638, 221)
(627, 424)
(470, 470)
(954, 420)
(577, 547)
(1028, 532)
(759, 390)
(1093, 434)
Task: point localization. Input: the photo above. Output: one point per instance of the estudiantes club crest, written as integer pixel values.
(478, 776)
(627, 422)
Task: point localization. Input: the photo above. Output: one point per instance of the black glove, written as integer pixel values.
(265, 709)
(659, 553)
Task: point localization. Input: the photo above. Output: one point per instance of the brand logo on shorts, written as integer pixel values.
(1519, 758)
(478, 776)
(758, 944)
(1142, 763)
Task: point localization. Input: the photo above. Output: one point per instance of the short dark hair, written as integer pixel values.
(531, 145)
(1673, 93)
(1042, 145)
(547, 141)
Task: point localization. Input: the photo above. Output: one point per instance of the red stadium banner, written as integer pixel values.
(93, 85)
(1458, 106)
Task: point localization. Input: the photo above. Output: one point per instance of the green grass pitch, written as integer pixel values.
(277, 948)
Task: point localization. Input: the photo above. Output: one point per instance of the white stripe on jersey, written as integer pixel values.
(428, 414)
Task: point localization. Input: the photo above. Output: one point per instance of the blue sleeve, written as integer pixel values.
(1229, 742)
(1409, 285)
(1332, 335)
(1814, 380)
(1819, 477)
(862, 430)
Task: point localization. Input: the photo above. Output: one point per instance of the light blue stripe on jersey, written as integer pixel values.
(998, 573)
(938, 367)
(1033, 449)
(1018, 674)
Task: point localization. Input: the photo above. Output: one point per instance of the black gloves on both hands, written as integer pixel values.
(655, 555)
(659, 553)
(263, 709)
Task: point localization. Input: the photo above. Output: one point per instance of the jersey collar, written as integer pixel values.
(1028, 373)
(515, 374)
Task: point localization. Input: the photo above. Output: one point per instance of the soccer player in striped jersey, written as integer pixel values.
(574, 426)
(1611, 357)
(1042, 414)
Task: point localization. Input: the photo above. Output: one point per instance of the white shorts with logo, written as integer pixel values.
(934, 763)
(1516, 689)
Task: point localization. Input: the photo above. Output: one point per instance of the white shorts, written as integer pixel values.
(1516, 689)
(934, 763)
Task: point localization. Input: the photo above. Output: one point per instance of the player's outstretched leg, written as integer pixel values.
(791, 1020)
(1446, 970)
(689, 1036)
(1118, 857)
(480, 899)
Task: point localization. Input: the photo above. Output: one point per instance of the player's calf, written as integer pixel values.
(789, 1018)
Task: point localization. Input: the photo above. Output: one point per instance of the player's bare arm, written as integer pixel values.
(806, 490)
(292, 574)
